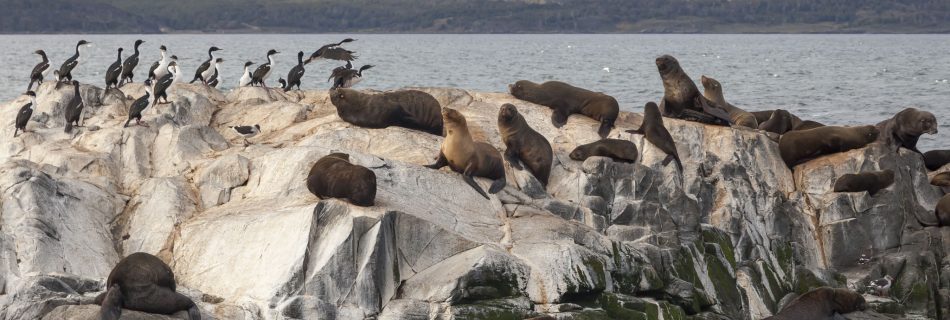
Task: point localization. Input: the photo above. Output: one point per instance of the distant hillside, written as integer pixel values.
(479, 16)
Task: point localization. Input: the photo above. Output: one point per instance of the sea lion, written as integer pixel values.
(654, 131)
(566, 100)
(525, 144)
(941, 179)
(333, 176)
(779, 122)
(797, 147)
(619, 150)
(807, 124)
(905, 128)
(871, 182)
(681, 98)
(936, 159)
(470, 158)
(143, 282)
(712, 90)
(943, 211)
(411, 109)
(822, 304)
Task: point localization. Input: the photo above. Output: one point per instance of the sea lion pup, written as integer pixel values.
(470, 158)
(333, 176)
(712, 90)
(871, 182)
(943, 211)
(525, 144)
(619, 150)
(905, 128)
(566, 100)
(411, 109)
(797, 147)
(936, 159)
(143, 282)
(681, 97)
(779, 122)
(941, 179)
(654, 131)
(821, 304)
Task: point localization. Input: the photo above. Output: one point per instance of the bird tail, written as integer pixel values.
(366, 67)
(30, 87)
(15, 130)
(195, 79)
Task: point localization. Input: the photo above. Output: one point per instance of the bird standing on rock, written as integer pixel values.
(160, 67)
(74, 109)
(139, 106)
(161, 87)
(66, 69)
(216, 77)
(263, 71)
(246, 77)
(23, 116)
(247, 131)
(293, 77)
(333, 51)
(114, 71)
(128, 67)
(205, 70)
(39, 71)
(881, 286)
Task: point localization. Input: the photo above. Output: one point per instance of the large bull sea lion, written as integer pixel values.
(935, 159)
(681, 97)
(905, 128)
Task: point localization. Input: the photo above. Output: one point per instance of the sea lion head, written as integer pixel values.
(919, 122)
(340, 97)
(522, 89)
(453, 120)
(339, 155)
(651, 111)
(666, 64)
(580, 153)
(507, 114)
(710, 83)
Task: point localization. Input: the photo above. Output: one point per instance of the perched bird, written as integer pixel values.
(333, 51)
(65, 70)
(881, 287)
(162, 85)
(283, 84)
(160, 67)
(247, 131)
(215, 78)
(293, 77)
(176, 69)
(74, 109)
(39, 71)
(346, 78)
(114, 71)
(263, 71)
(139, 106)
(128, 67)
(864, 259)
(23, 116)
(246, 76)
(204, 70)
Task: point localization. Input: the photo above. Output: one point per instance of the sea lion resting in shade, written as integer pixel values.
(822, 304)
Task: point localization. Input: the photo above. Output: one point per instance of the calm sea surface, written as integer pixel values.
(834, 79)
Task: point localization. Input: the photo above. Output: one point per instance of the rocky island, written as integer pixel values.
(735, 235)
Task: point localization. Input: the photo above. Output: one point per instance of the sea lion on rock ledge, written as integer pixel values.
(905, 128)
(654, 131)
(411, 109)
(779, 122)
(871, 182)
(333, 176)
(821, 303)
(712, 90)
(681, 97)
(797, 147)
(619, 150)
(470, 158)
(143, 282)
(566, 100)
(935, 159)
(524, 144)
(941, 179)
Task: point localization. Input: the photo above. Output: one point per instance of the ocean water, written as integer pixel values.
(833, 79)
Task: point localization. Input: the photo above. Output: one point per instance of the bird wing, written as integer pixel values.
(163, 83)
(151, 70)
(38, 69)
(68, 66)
(139, 105)
(130, 64)
(24, 114)
(261, 71)
(115, 67)
(243, 129)
(337, 53)
(201, 69)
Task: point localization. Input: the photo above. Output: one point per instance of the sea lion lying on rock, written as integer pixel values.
(143, 282)
(941, 179)
(936, 159)
(797, 147)
(472, 159)
(681, 97)
(822, 304)
(411, 109)
(905, 128)
(871, 182)
(619, 150)
(654, 131)
(712, 90)
(566, 100)
(780, 122)
(333, 176)
(524, 144)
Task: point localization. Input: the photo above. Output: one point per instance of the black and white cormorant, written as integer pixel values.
(128, 67)
(162, 85)
(65, 70)
(216, 77)
(39, 71)
(114, 71)
(74, 109)
(246, 77)
(283, 84)
(263, 71)
(247, 131)
(293, 77)
(160, 67)
(347, 77)
(23, 116)
(204, 71)
(176, 69)
(139, 106)
(333, 51)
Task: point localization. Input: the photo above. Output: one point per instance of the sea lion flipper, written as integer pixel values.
(467, 176)
(636, 131)
(714, 109)
(559, 118)
(666, 161)
(605, 127)
(111, 304)
(497, 185)
(512, 158)
(440, 162)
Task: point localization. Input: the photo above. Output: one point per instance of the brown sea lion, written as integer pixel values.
(143, 282)
(936, 159)
(808, 124)
(524, 144)
(822, 304)
(871, 182)
(654, 131)
(905, 128)
(333, 176)
(566, 100)
(941, 179)
(411, 109)
(779, 122)
(472, 159)
(680, 94)
(943, 211)
(712, 90)
(797, 147)
(619, 150)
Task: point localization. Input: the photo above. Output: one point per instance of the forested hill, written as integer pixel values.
(477, 16)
